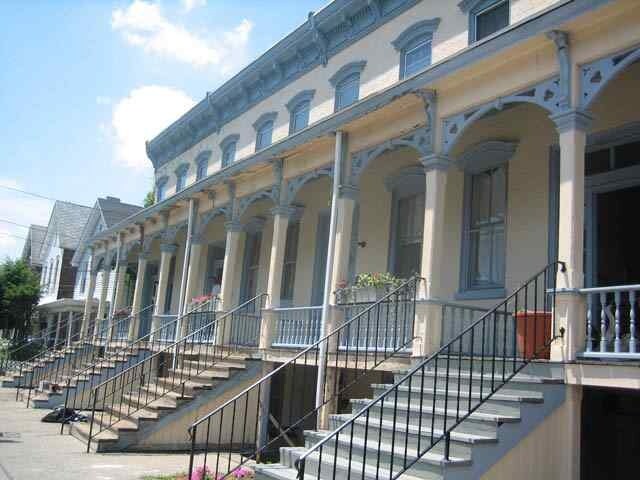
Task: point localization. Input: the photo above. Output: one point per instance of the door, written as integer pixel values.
(215, 264)
(148, 297)
(249, 285)
(320, 263)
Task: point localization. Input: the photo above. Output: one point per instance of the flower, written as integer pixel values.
(243, 472)
(201, 473)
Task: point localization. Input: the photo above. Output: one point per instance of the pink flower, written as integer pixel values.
(243, 472)
(201, 473)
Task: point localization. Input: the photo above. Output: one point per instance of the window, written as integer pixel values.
(181, 177)
(487, 17)
(346, 82)
(251, 265)
(228, 149)
(299, 107)
(414, 45)
(202, 164)
(83, 276)
(347, 91)
(264, 135)
(484, 233)
(408, 188)
(300, 117)
(290, 259)
(161, 188)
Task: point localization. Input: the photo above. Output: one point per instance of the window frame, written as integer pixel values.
(293, 106)
(414, 36)
(202, 164)
(228, 148)
(290, 260)
(343, 77)
(481, 7)
(181, 177)
(266, 121)
(161, 184)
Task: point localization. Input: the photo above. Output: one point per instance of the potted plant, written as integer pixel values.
(369, 287)
(533, 333)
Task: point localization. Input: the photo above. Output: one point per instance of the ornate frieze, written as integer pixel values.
(295, 184)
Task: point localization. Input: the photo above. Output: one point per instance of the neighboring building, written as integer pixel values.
(478, 141)
(32, 246)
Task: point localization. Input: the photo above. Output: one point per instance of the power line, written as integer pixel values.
(14, 223)
(29, 193)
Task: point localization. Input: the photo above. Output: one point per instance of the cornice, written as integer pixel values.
(322, 36)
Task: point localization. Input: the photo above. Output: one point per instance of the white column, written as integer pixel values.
(119, 296)
(58, 329)
(167, 251)
(102, 301)
(137, 297)
(427, 324)
(49, 332)
(88, 304)
(570, 304)
(193, 274)
(230, 259)
(346, 205)
(69, 328)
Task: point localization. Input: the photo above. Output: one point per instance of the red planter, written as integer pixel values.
(533, 332)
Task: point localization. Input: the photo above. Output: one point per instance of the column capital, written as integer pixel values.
(168, 248)
(436, 161)
(283, 211)
(576, 119)
(233, 226)
(350, 192)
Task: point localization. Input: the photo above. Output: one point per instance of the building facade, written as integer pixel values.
(471, 143)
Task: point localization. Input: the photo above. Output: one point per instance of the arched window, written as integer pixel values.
(299, 107)
(228, 149)
(202, 164)
(346, 82)
(264, 130)
(414, 45)
(181, 176)
(161, 185)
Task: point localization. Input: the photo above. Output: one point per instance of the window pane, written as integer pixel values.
(417, 58)
(228, 154)
(481, 258)
(264, 135)
(300, 117)
(492, 19)
(627, 155)
(498, 194)
(409, 230)
(480, 199)
(347, 91)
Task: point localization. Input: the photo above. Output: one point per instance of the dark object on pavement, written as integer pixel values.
(60, 415)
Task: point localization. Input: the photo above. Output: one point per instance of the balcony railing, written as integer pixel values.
(167, 334)
(611, 321)
(297, 326)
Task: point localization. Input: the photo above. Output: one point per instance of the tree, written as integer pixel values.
(149, 199)
(19, 293)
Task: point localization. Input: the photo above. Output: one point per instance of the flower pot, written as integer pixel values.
(533, 332)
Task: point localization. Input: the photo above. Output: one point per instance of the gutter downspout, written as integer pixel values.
(337, 174)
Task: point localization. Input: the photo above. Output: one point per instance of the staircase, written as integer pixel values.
(149, 403)
(476, 443)
(137, 427)
(454, 414)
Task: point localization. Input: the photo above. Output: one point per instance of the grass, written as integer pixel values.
(178, 476)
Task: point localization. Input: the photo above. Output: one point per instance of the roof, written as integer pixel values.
(33, 244)
(113, 210)
(66, 222)
(106, 212)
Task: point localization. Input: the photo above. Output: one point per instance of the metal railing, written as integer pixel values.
(110, 363)
(14, 356)
(612, 321)
(533, 306)
(297, 326)
(168, 369)
(64, 354)
(241, 424)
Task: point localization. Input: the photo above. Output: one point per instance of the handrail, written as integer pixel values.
(441, 430)
(613, 288)
(132, 380)
(246, 404)
(131, 348)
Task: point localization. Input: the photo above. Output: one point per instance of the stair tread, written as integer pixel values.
(430, 457)
(512, 396)
(518, 378)
(104, 436)
(426, 429)
(402, 407)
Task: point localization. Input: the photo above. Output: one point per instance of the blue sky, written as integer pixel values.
(84, 83)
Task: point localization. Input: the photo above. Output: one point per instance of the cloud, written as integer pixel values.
(142, 24)
(189, 5)
(20, 208)
(140, 116)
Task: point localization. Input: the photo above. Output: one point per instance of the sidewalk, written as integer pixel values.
(33, 450)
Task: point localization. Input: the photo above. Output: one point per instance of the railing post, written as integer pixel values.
(632, 321)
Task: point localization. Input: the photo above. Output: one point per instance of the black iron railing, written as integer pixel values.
(13, 356)
(111, 362)
(488, 367)
(168, 369)
(242, 423)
